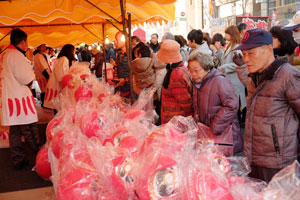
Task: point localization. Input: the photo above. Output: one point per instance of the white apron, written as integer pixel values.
(17, 103)
(40, 64)
(61, 67)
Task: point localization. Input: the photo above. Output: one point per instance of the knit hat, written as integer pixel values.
(169, 52)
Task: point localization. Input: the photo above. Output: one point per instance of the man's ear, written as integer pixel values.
(270, 48)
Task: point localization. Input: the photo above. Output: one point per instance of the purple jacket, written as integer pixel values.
(216, 104)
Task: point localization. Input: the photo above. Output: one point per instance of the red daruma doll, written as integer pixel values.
(42, 165)
(156, 172)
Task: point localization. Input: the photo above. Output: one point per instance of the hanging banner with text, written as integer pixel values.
(254, 22)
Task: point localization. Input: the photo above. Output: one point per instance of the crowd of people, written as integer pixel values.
(242, 80)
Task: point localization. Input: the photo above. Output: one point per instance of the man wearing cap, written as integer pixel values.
(295, 27)
(42, 69)
(273, 106)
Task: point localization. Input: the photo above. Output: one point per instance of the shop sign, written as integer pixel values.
(254, 22)
(218, 23)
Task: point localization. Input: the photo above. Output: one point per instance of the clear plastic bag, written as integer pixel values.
(285, 184)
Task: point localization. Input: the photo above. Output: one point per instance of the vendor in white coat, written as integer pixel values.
(42, 69)
(61, 67)
(18, 109)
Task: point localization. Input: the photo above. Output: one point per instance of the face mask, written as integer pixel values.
(296, 36)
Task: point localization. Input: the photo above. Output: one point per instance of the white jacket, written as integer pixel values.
(61, 68)
(18, 105)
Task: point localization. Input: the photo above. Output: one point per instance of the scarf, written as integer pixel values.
(170, 68)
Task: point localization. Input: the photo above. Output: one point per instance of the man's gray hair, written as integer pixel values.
(169, 36)
(203, 59)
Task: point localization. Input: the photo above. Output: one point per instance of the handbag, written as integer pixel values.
(223, 142)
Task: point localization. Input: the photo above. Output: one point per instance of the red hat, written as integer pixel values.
(169, 52)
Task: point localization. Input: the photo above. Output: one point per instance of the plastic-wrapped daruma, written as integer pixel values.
(51, 127)
(78, 184)
(83, 93)
(206, 185)
(57, 142)
(91, 123)
(134, 114)
(159, 180)
(167, 137)
(42, 165)
(66, 81)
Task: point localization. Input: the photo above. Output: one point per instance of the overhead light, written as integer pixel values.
(98, 48)
(90, 48)
(123, 38)
(106, 41)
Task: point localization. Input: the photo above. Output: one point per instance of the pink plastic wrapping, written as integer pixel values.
(103, 148)
(80, 85)
(77, 177)
(52, 127)
(224, 141)
(109, 161)
(155, 173)
(202, 174)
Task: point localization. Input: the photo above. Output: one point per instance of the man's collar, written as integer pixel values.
(11, 46)
(268, 73)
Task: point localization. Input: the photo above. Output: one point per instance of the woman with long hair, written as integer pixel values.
(61, 67)
(232, 35)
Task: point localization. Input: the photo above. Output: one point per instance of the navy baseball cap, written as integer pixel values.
(255, 38)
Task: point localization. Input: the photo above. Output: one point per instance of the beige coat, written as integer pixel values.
(39, 65)
(143, 73)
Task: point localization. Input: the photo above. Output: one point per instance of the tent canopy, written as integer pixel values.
(58, 22)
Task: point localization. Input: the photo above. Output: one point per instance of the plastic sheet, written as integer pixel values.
(224, 141)
(285, 184)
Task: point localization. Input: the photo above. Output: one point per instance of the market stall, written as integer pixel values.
(52, 21)
(60, 22)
